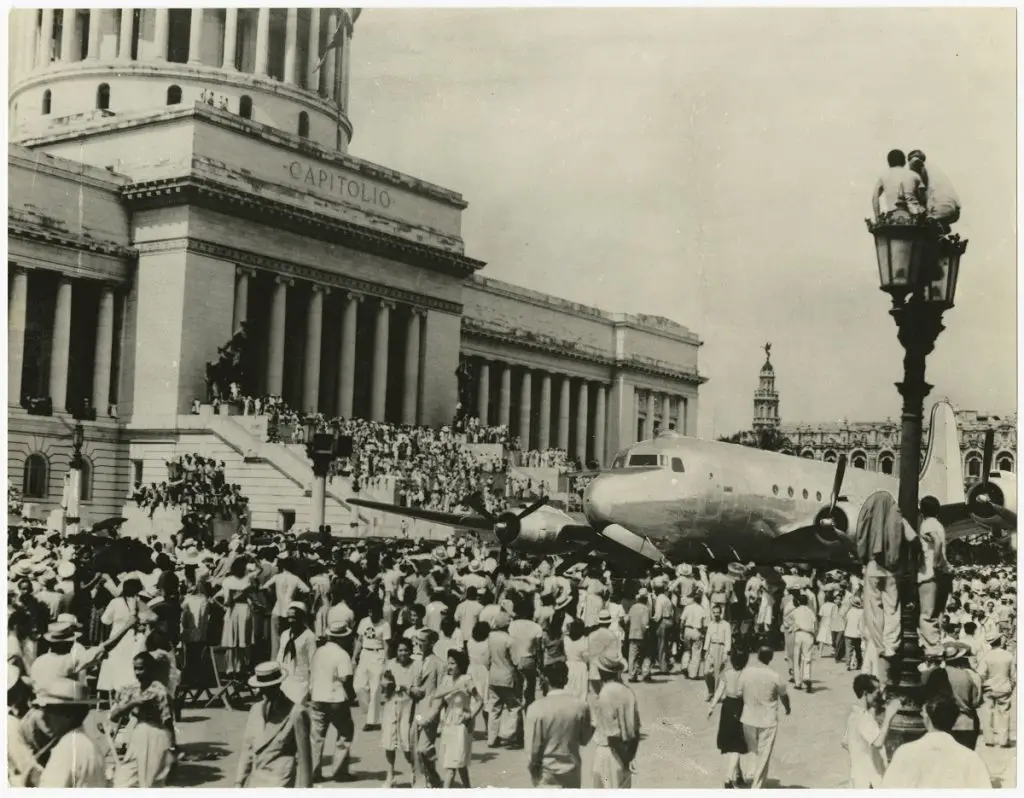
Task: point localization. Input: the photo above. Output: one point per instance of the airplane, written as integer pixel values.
(680, 499)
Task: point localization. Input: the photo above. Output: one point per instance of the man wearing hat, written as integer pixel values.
(65, 659)
(331, 696)
(74, 760)
(557, 725)
(275, 744)
(616, 719)
(426, 681)
(640, 637)
(602, 642)
(998, 674)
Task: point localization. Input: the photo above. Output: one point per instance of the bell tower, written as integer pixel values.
(766, 398)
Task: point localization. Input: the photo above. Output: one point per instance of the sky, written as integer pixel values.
(715, 166)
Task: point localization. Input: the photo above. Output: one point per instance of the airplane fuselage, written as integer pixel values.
(684, 492)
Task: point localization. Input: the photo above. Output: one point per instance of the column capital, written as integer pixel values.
(282, 280)
(16, 268)
(319, 288)
(387, 303)
(354, 297)
(416, 311)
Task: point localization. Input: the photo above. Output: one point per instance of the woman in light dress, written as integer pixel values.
(236, 635)
(397, 717)
(149, 736)
(117, 671)
(576, 658)
(480, 660)
(373, 635)
(459, 703)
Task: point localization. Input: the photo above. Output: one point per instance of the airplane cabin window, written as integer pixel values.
(644, 460)
(817, 496)
(806, 494)
(790, 492)
(677, 465)
(775, 489)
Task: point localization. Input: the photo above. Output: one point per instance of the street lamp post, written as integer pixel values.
(72, 513)
(918, 267)
(322, 449)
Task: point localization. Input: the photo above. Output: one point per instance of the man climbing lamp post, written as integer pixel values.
(918, 267)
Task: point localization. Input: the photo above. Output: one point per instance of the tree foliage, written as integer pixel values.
(769, 439)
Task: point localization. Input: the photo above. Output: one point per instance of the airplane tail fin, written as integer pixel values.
(943, 474)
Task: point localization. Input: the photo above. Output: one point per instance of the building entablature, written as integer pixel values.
(204, 193)
(245, 259)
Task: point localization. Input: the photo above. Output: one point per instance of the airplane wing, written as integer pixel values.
(470, 521)
(805, 544)
(961, 523)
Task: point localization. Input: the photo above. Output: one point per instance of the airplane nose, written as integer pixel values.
(599, 500)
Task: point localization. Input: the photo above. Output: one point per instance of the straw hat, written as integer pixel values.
(604, 618)
(266, 674)
(296, 606)
(339, 629)
(60, 633)
(610, 664)
(954, 650)
(66, 570)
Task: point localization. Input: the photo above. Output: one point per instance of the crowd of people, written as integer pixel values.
(431, 642)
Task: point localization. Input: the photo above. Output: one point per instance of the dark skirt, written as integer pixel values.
(730, 730)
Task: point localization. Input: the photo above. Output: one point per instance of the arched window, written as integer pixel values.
(245, 107)
(174, 95)
(85, 481)
(304, 124)
(830, 456)
(103, 97)
(35, 480)
(886, 463)
(973, 463)
(859, 460)
(808, 454)
(47, 101)
(1004, 462)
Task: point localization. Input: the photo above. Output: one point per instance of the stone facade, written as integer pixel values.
(143, 232)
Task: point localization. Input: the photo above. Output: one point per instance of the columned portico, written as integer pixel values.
(666, 412)
(60, 351)
(649, 416)
(17, 312)
(505, 397)
(275, 347)
(314, 332)
(563, 414)
(411, 372)
(103, 358)
(600, 423)
(483, 396)
(347, 355)
(582, 399)
(525, 408)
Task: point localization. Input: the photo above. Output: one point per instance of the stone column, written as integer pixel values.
(162, 33)
(483, 393)
(327, 70)
(346, 60)
(45, 39)
(124, 37)
(60, 347)
(505, 397)
(291, 32)
(666, 411)
(411, 376)
(525, 408)
(262, 40)
(347, 355)
(275, 342)
(104, 352)
(241, 312)
(381, 341)
(17, 312)
(195, 37)
(339, 59)
(230, 37)
(581, 423)
(68, 36)
(649, 418)
(600, 424)
(95, 26)
(314, 331)
(313, 51)
(544, 431)
(27, 56)
(563, 414)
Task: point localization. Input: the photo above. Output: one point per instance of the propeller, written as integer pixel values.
(830, 521)
(986, 499)
(506, 525)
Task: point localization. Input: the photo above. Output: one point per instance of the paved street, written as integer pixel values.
(679, 749)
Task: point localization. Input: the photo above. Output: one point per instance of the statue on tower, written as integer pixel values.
(767, 351)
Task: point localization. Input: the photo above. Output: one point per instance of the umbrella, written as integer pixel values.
(120, 556)
(112, 524)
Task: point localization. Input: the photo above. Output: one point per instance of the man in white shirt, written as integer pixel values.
(943, 204)
(864, 739)
(998, 674)
(298, 645)
(900, 187)
(286, 584)
(331, 694)
(75, 761)
(934, 577)
(762, 690)
(937, 761)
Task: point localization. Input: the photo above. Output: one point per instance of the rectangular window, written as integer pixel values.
(677, 465)
(644, 460)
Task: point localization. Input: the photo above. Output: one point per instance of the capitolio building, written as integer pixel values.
(176, 172)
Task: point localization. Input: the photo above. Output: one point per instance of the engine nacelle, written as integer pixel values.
(831, 522)
(538, 532)
(994, 504)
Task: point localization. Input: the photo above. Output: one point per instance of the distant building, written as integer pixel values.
(766, 397)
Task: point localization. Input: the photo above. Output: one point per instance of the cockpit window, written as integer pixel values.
(644, 460)
(619, 461)
(677, 465)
